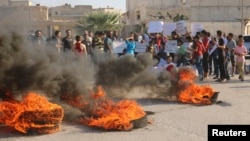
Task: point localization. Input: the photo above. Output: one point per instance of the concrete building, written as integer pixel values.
(110, 10)
(15, 3)
(24, 18)
(65, 17)
(20, 3)
(227, 15)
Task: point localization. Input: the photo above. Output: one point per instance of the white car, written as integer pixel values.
(247, 42)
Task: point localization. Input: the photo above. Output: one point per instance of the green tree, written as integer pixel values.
(177, 17)
(99, 21)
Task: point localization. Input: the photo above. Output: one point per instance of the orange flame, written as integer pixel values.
(34, 113)
(109, 115)
(196, 94)
(191, 92)
(75, 101)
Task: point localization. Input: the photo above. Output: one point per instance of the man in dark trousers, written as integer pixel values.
(221, 56)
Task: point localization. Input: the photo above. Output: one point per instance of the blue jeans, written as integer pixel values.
(198, 63)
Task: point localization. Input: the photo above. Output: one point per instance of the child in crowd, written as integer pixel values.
(170, 64)
(79, 47)
(171, 68)
(151, 49)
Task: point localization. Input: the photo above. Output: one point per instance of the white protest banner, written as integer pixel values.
(140, 48)
(155, 27)
(196, 27)
(181, 27)
(186, 44)
(171, 46)
(118, 46)
(168, 28)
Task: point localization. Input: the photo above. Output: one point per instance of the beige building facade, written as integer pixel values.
(24, 18)
(21, 16)
(227, 15)
(15, 3)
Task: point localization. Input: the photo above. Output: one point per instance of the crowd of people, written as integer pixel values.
(209, 55)
(222, 56)
(82, 45)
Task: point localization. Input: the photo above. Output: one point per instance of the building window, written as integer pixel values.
(56, 13)
(138, 15)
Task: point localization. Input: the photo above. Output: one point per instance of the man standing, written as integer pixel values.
(198, 56)
(231, 44)
(240, 51)
(55, 41)
(130, 45)
(108, 43)
(205, 54)
(38, 39)
(87, 42)
(97, 47)
(221, 56)
(67, 41)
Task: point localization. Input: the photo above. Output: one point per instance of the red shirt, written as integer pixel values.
(159, 41)
(199, 51)
(205, 42)
(79, 47)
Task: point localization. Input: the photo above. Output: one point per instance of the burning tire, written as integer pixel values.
(32, 115)
(140, 123)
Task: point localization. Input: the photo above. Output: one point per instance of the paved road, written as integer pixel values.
(172, 121)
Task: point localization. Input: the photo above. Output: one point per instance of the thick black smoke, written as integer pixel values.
(133, 75)
(30, 68)
(24, 68)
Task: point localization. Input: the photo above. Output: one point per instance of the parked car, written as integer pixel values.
(247, 42)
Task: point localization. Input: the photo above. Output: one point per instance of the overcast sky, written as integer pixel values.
(118, 4)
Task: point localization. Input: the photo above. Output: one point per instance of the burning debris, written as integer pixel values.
(106, 114)
(192, 93)
(62, 77)
(33, 114)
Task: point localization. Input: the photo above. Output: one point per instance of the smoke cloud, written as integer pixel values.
(29, 68)
(133, 76)
(25, 68)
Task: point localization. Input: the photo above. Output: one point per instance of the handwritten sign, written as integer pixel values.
(168, 28)
(181, 27)
(118, 46)
(186, 44)
(196, 27)
(140, 48)
(171, 46)
(155, 27)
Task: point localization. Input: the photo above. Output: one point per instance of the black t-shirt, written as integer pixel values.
(67, 43)
(221, 52)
